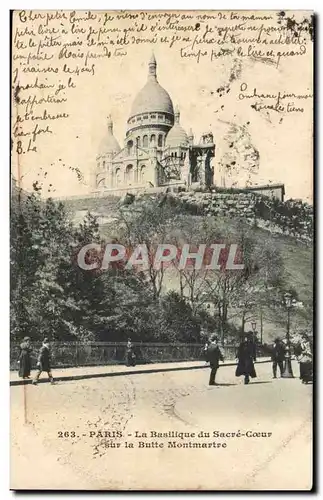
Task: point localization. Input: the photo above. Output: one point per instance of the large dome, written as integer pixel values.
(152, 97)
(177, 136)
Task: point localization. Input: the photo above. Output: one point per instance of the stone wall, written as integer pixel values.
(271, 191)
(292, 217)
(234, 205)
(71, 354)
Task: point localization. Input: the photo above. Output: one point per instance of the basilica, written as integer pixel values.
(157, 152)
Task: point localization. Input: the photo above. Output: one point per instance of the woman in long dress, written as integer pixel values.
(305, 363)
(246, 356)
(24, 358)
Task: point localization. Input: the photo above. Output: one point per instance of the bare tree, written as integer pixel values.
(147, 223)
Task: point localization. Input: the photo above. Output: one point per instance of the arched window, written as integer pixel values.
(160, 141)
(118, 176)
(100, 183)
(129, 174)
(153, 140)
(175, 154)
(138, 142)
(129, 146)
(142, 174)
(145, 141)
(103, 164)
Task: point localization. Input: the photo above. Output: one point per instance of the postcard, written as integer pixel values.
(162, 250)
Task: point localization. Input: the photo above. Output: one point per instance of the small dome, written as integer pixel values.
(109, 143)
(152, 97)
(177, 135)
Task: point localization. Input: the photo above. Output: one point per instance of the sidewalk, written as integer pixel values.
(86, 372)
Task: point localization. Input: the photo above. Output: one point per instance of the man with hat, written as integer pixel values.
(278, 356)
(43, 362)
(131, 357)
(213, 356)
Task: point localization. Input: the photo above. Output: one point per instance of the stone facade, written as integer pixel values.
(157, 151)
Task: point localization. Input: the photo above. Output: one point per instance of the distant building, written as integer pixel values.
(157, 150)
(157, 155)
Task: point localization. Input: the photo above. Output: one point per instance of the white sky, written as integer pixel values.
(285, 146)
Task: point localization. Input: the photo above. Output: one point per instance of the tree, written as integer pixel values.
(178, 321)
(232, 292)
(40, 240)
(147, 223)
(52, 296)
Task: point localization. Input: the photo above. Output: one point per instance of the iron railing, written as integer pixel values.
(72, 354)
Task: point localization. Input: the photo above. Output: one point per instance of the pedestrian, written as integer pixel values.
(305, 360)
(43, 362)
(213, 356)
(278, 356)
(131, 357)
(205, 349)
(24, 358)
(246, 356)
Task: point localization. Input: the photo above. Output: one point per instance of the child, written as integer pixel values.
(43, 362)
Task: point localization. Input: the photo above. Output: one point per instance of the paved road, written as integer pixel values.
(163, 402)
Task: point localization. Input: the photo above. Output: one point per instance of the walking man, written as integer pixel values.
(131, 357)
(43, 362)
(278, 357)
(213, 356)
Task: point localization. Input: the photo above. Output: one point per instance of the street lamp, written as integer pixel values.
(253, 326)
(261, 325)
(288, 371)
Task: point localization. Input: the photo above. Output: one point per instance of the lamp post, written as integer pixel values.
(261, 326)
(253, 326)
(288, 371)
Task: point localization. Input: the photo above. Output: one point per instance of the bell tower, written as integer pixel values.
(200, 159)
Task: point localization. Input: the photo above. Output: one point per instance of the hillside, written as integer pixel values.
(295, 250)
(298, 275)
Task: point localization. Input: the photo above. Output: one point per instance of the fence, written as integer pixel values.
(72, 354)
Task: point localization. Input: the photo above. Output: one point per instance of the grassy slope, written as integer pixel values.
(298, 262)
